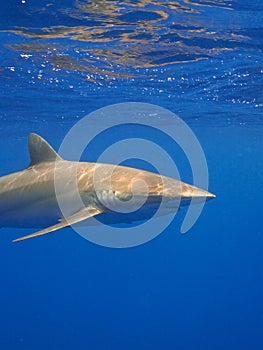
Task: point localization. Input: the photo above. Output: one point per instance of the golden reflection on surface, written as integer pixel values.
(211, 3)
(41, 48)
(110, 7)
(118, 35)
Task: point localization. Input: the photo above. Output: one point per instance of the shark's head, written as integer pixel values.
(192, 194)
(155, 189)
(174, 193)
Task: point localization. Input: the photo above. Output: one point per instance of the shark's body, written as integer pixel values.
(29, 198)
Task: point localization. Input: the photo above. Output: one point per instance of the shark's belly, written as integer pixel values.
(38, 214)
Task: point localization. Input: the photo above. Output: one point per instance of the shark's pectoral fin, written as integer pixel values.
(81, 215)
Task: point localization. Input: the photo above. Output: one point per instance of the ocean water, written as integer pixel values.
(201, 60)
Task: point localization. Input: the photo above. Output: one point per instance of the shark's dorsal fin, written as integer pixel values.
(40, 151)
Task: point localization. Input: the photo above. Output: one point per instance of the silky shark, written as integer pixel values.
(29, 198)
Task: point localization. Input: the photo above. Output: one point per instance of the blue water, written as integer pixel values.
(203, 61)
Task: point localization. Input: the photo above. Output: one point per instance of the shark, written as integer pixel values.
(30, 198)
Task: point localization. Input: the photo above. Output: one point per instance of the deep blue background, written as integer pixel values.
(203, 61)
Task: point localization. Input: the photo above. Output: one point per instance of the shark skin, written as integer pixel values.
(29, 198)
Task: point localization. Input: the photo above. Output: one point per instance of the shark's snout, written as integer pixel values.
(196, 195)
(178, 194)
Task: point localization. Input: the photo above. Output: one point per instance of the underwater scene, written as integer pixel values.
(165, 99)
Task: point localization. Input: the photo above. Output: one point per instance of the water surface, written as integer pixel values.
(203, 61)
